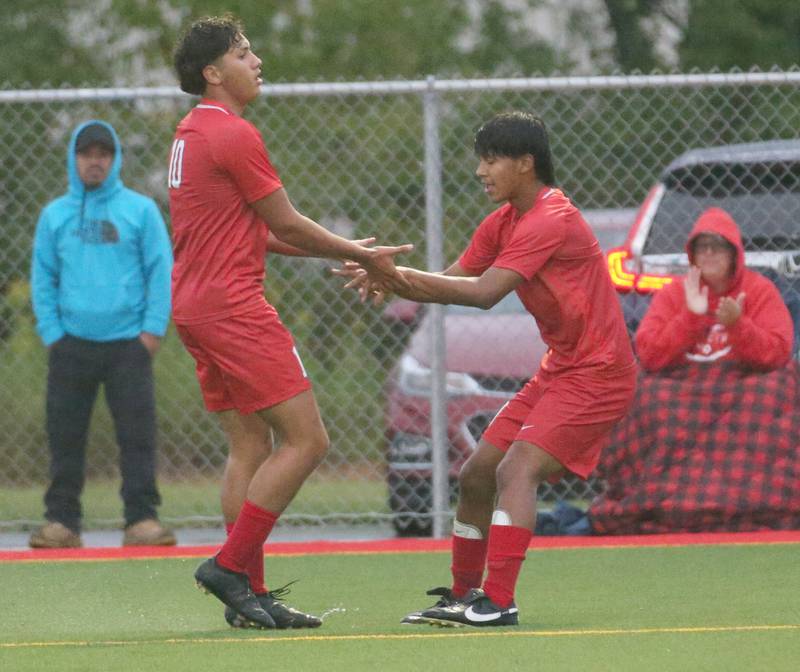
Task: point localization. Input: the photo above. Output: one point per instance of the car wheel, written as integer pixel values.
(410, 502)
(412, 527)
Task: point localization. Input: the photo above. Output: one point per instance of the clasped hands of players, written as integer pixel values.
(368, 284)
(729, 310)
(374, 272)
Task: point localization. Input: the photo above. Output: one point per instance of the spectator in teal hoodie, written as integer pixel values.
(100, 279)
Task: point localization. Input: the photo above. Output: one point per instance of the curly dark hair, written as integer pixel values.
(202, 43)
(515, 134)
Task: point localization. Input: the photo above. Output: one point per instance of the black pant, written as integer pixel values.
(77, 367)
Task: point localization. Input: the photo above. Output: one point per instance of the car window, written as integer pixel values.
(610, 225)
(510, 303)
(609, 238)
(763, 198)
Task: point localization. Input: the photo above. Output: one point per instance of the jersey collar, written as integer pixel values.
(544, 193)
(210, 104)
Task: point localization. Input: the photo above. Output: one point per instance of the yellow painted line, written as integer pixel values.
(457, 633)
(145, 558)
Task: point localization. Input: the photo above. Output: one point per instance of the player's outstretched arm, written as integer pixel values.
(276, 246)
(455, 285)
(482, 291)
(298, 231)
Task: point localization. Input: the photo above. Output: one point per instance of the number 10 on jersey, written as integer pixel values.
(176, 164)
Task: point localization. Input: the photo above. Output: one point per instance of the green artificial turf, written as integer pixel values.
(591, 609)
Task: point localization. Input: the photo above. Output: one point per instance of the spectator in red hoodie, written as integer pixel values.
(719, 311)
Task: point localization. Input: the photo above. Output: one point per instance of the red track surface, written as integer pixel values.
(397, 546)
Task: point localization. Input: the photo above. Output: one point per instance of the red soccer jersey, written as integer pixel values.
(218, 166)
(566, 285)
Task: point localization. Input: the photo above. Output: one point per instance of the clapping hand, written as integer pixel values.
(696, 296)
(730, 309)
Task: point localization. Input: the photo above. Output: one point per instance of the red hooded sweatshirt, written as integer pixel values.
(671, 335)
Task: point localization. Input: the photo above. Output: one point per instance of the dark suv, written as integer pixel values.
(757, 183)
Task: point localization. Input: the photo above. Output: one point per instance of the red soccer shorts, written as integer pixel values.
(247, 362)
(569, 415)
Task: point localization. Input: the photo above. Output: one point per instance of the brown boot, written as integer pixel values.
(149, 532)
(54, 535)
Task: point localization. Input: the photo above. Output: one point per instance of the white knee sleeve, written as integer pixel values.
(466, 531)
(500, 517)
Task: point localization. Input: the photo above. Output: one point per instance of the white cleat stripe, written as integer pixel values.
(473, 615)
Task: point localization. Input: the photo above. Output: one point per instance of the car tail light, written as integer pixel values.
(652, 283)
(625, 280)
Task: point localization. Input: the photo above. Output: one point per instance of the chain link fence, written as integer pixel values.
(390, 159)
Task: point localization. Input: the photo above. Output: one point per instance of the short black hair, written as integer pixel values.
(515, 134)
(202, 43)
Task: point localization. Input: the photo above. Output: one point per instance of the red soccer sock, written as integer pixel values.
(469, 561)
(507, 547)
(247, 537)
(254, 570)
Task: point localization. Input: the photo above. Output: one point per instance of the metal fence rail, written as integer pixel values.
(393, 159)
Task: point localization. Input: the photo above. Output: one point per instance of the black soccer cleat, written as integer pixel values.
(283, 615)
(233, 589)
(446, 599)
(476, 609)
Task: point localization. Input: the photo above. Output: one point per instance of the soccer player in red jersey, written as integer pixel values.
(538, 245)
(228, 207)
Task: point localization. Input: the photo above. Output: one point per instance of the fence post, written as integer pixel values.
(434, 248)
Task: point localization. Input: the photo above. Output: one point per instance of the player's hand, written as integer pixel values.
(367, 290)
(730, 310)
(380, 266)
(365, 242)
(398, 282)
(359, 280)
(696, 296)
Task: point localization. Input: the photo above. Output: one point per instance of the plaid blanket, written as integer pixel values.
(704, 448)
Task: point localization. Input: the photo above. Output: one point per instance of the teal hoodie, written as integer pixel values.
(102, 260)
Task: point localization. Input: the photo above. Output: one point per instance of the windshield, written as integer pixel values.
(763, 198)
(510, 303)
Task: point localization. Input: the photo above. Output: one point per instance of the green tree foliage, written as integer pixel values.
(722, 34)
(336, 40)
(505, 47)
(36, 48)
(364, 39)
(741, 33)
(131, 41)
(633, 47)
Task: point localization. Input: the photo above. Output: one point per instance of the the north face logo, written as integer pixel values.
(98, 232)
(109, 232)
